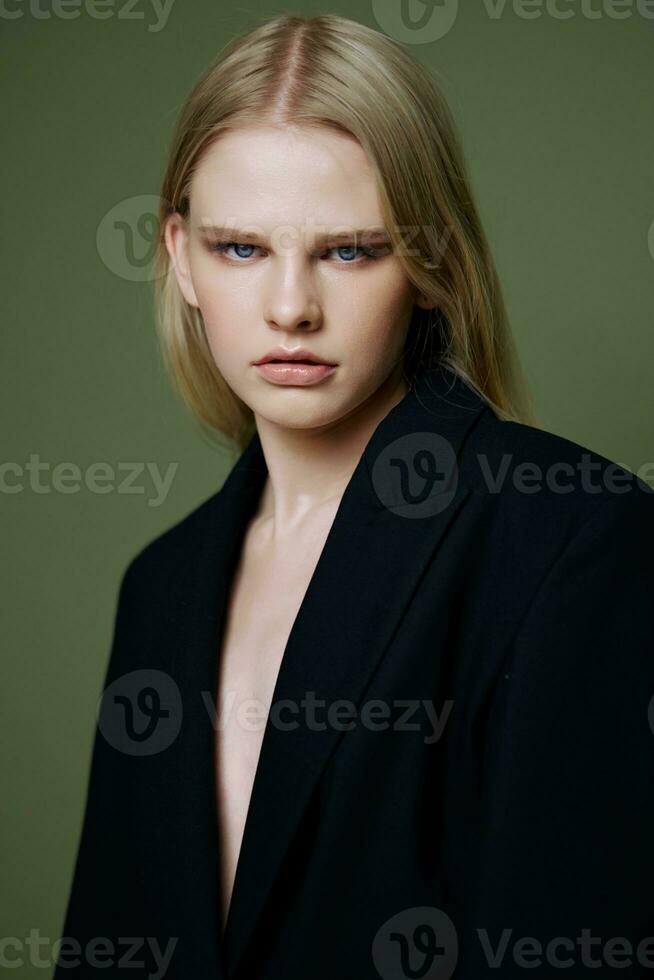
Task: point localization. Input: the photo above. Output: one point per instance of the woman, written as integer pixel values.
(423, 624)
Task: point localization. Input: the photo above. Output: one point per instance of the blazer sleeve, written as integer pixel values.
(567, 843)
(98, 908)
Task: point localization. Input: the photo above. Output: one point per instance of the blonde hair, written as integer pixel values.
(331, 71)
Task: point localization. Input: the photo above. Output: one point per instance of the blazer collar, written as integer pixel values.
(385, 520)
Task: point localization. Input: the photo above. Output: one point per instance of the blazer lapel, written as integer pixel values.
(390, 521)
(192, 624)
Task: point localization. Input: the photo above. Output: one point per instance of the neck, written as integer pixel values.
(311, 467)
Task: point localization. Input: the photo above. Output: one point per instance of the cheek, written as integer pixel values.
(215, 291)
(223, 309)
(209, 294)
(383, 314)
(224, 339)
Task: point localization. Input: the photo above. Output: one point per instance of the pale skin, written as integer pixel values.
(290, 285)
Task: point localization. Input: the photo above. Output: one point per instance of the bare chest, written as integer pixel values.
(265, 597)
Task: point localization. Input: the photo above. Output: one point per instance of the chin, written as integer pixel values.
(299, 415)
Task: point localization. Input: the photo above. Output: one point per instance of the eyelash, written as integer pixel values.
(221, 247)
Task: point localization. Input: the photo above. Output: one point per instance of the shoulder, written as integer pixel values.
(572, 534)
(172, 549)
(547, 517)
(546, 478)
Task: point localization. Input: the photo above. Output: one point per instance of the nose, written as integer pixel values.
(292, 302)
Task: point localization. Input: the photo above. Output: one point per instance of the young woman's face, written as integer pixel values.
(270, 256)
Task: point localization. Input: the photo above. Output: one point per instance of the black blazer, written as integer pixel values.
(487, 786)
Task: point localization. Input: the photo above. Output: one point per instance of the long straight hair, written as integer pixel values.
(334, 72)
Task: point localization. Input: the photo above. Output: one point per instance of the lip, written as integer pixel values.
(290, 373)
(287, 356)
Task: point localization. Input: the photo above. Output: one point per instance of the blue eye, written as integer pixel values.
(223, 246)
(350, 250)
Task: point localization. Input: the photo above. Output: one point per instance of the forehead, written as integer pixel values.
(269, 176)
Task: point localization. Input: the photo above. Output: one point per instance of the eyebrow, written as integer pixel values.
(375, 233)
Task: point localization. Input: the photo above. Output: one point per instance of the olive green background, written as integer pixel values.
(556, 116)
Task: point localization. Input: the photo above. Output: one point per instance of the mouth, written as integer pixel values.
(296, 371)
(279, 360)
(300, 356)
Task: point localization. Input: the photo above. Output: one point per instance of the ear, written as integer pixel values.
(176, 237)
(423, 301)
